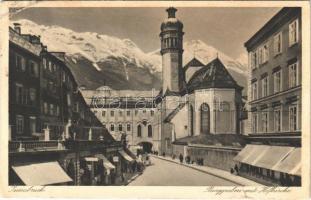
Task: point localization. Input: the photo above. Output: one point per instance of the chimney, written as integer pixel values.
(171, 12)
(17, 27)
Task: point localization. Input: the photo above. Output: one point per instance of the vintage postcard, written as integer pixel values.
(155, 99)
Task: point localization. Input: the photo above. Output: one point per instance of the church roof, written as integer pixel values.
(172, 114)
(194, 62)
(213, 75)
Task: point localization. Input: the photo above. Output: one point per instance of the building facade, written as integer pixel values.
(275, 104)
(127, 112)
(196, 99)
(51, 126)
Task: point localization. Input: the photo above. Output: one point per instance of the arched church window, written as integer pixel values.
(139, 130)
(205, 118)
(149, 131)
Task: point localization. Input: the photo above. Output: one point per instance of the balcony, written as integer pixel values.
(44, 146)
(35, 146)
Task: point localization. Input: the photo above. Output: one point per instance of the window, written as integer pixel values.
(293, 75)
(76, 107)
(278, 43)
(32, 96)
(51, 109)
(128, 112)
(139, 130)
(265, 53)
(144, 111)
(264, 85)
(120, 127)
(120, 112)
(33, 68)
(45, 108)
(149, 131)
(151, 112)
(64, 77)
(136, 112)
(112, 127)
(68, 100)
(254, 60)
(112, 113)
(277, 79)
(293, 32)
(254, 122)
(44, 63)
(264, 121)
(19, 93)
(254, 91)
(50, 65)
(260, 55)
(128, 127)
(19, 124)
(103, 113)
(20, 63)
(57, 110)
(293, 118)
(277, 120)
(205, 118)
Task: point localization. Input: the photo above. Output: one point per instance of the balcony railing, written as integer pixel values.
(39, 146)
(32, 146)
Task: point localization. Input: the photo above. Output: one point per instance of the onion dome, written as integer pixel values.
(171, 22)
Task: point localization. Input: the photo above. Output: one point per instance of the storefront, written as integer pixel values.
(279, 165)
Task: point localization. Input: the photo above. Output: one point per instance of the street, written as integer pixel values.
(165, 173)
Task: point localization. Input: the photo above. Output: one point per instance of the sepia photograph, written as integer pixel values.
(155, 96)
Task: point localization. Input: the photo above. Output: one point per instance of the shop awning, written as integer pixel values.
(291, 164)
(272, 156)
(47, 173)
(244, 153)
(91, 159)
(126, 156)
(106, 162)
(252, 154)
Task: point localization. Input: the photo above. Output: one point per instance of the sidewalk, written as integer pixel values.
(215, 172)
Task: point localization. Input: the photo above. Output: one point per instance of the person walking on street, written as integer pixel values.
(181, 158)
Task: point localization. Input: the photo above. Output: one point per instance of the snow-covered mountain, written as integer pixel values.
(101, 59)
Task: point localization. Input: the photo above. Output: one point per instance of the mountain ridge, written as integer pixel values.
(129, 67)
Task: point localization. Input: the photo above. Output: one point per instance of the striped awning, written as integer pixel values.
(106, 162)
(291, 164)
(47, 173)
(278, 158)
(126, 156)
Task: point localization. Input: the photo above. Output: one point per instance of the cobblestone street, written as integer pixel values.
(164, 173)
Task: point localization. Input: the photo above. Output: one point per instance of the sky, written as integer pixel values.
(227, 29)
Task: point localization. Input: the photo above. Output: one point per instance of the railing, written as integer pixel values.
(35, 146)
(26, 146)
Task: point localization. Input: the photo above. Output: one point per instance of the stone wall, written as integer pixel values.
(217, 157)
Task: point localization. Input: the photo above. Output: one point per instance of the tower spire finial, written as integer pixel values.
(171, 12)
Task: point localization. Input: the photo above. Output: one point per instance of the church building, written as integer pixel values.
(196, 99)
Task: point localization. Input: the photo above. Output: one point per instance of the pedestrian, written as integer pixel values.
(231, 170)
(236, 169)
(181, 158)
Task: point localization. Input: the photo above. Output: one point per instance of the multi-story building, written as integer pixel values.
(51, 126)
(24, 104)
(128, 112)
(275, 98)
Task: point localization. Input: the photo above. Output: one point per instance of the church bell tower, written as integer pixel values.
(171, 50)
